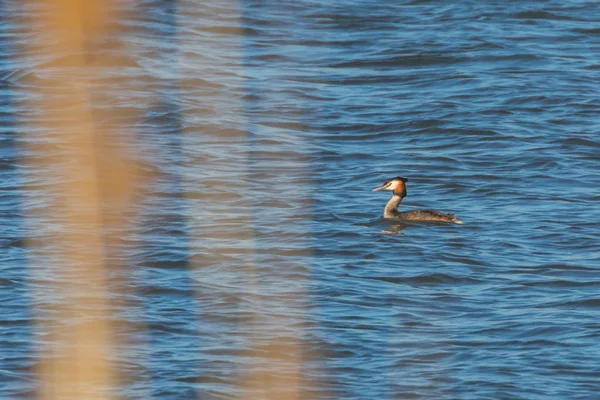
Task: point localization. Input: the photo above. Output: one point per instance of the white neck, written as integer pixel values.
(391, 208)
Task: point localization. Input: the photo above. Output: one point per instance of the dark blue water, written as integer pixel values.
(258, 264)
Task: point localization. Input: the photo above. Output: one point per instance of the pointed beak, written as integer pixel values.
(377, 189)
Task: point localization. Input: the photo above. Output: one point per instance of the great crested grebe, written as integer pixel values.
(398, 187)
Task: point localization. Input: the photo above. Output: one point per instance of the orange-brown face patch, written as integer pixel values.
(400, 189)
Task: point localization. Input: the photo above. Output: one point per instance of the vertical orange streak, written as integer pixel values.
(67, 156)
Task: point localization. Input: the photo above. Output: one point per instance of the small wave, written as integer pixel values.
(578, 142)
(588, 303)
(561, 284)
(414, 60)
(433, 279)
(541, 14)
(587, 31)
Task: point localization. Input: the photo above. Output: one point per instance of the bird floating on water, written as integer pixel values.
(398, 186)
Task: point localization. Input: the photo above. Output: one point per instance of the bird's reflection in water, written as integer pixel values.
(395, 229)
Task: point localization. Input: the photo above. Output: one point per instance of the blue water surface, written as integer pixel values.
(257, 263)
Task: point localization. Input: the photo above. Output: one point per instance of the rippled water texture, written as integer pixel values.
(258, 265)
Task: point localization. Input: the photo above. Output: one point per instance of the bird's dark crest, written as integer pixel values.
(397, 178)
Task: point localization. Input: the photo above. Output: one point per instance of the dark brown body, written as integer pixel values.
(424, 215)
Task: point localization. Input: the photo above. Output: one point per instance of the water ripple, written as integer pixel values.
(262, 129)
